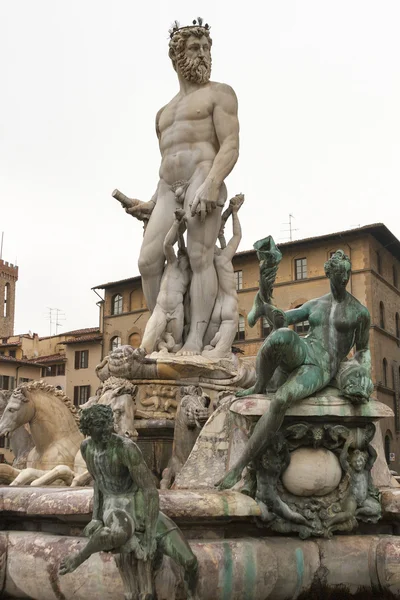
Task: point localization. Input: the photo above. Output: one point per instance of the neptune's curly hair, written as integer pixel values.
(99, 414)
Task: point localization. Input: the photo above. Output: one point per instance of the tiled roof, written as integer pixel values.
(378, 230)
(104, 286)
(51, 358)
(84, 338)
(74, 332)
(10, 359)
(10, 344)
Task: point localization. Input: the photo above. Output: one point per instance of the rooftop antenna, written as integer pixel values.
(291, 228)
(60, 316)
(49, 317)
(54, 316)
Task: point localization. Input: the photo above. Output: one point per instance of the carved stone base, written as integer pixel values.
(314, 477)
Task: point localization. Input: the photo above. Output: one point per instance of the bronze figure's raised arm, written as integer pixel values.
(304, 365)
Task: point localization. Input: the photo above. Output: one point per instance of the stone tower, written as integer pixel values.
(8, 280)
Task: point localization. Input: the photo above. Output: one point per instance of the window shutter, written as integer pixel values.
(76, 395)
(77, 355)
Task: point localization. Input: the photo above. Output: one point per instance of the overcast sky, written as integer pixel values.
(318, 85)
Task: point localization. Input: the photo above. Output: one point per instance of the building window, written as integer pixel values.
(397, 318)
(384, 372)
(5, 442)
(61, 369)
(81, 359)
(49, 371)
(302, 327)
(7, 382)
(240, 334)
(300, 268)
(395, 278)
(266, 327)
(378, 262)
(115, 342)
(81, 394)
(381, 315)
(116, 304)
(239, 280)
(13, 353)
(24, 380)
(53, 370)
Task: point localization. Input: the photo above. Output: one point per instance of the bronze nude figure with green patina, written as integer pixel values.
(126, 518)
(296, 367)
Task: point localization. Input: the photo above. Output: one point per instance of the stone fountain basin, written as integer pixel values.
(39, 526)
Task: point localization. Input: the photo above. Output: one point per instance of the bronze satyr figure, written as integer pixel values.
(126, 518)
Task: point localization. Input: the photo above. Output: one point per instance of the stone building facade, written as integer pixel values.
(375, 281)
(67, 360)
(8, 280)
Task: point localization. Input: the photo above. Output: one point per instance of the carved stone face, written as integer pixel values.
(195, 408)
(194, 62)
(358, 461)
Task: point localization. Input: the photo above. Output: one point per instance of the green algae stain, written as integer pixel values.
(300, 570)
(226, 575)
(250, 572)
(225, 506)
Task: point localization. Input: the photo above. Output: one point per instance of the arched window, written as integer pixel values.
(115, 342)
(395, 278)
(302, 327)
(266, 328)
(384, 372)
(397, 318)
(116, 304)
(387, 448)
(134, 340)
(240, 334)
(136, 299)
(381, 315)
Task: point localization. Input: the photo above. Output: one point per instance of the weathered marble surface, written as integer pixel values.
(193, 505)
(177, 504)
(249, 568)
(323, 465)
(326, 403)
(225, 434)
(124, 362)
